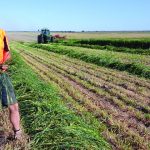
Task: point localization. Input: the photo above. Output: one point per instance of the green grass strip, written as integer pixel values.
(45, 118)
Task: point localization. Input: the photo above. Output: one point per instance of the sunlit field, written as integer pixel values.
(90, 91)
(32, 36)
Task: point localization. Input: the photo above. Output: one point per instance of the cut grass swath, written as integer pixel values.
(103, 58)
(49, 123)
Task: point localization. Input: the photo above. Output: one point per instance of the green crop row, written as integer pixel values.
(45, 118)
(125, 62)
(107, 47)
(144, 44)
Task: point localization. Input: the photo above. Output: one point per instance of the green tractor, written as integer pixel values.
(45, 36)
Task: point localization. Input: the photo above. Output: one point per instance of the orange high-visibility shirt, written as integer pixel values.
(3, 45)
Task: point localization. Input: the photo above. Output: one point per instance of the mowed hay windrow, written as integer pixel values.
(59, 127)
(118, 100)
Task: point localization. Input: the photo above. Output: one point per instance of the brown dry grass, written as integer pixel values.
(5, 132)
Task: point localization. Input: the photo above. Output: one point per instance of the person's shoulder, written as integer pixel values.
(2, 32)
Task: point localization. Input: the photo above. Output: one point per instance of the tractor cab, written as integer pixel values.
(45, 36)
(45, 32)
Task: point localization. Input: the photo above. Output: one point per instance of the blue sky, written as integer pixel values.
(102, 15)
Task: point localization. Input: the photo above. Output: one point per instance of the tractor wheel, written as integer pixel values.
(45, 39)
(52, 39)
(40, 39)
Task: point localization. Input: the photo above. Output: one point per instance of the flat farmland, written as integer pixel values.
(90, 91)
(118, 100)
(22, 36)
(32, 36)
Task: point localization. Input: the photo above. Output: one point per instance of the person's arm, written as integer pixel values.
(6, 55)
(6, 47)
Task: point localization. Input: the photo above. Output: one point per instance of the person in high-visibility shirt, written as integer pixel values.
(7, 95)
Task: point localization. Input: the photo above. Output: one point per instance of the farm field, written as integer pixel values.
(75, 75)
(59, 127)
(112, 87)
(32, 36)
(133, 63)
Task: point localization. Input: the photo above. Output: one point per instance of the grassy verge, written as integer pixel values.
(45, 118)
(124, 62)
